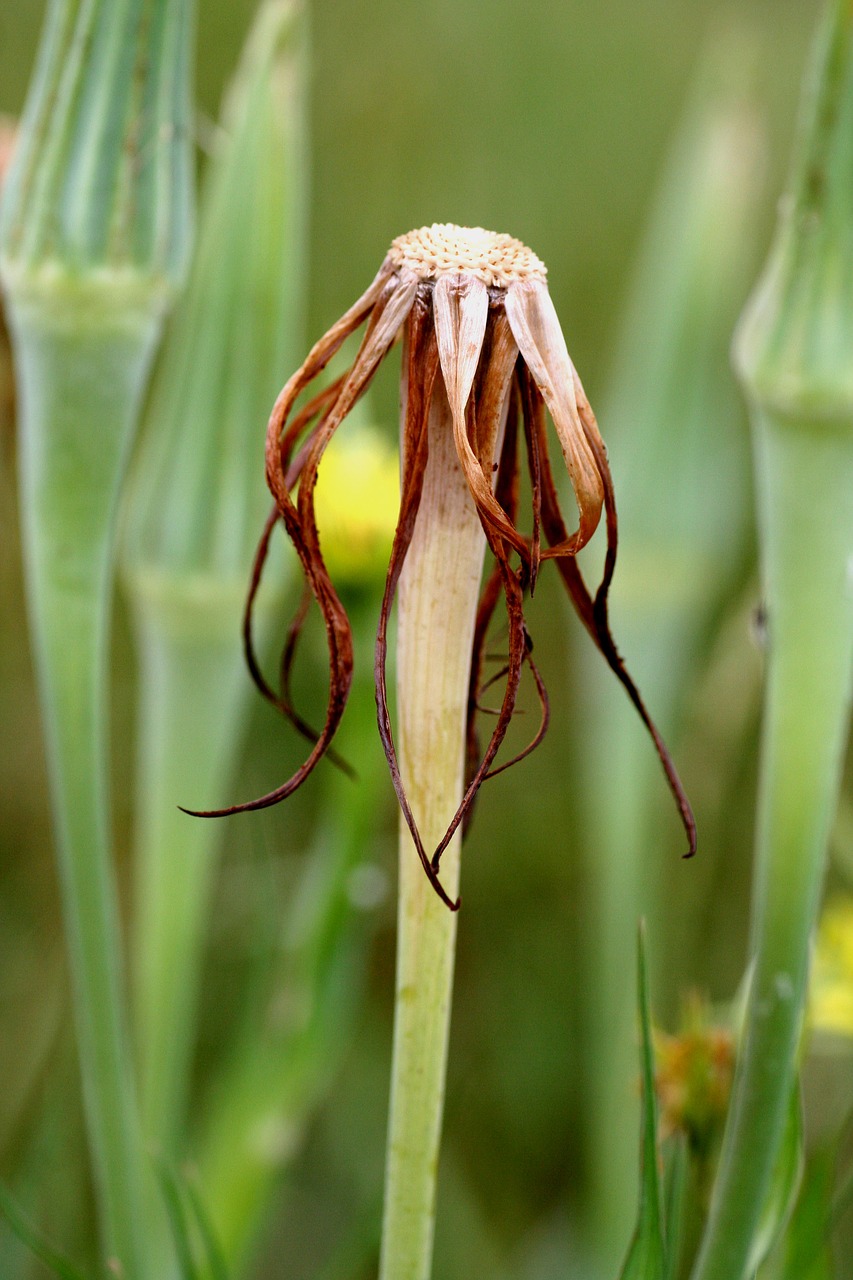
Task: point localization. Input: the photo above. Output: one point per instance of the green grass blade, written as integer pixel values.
(215, 1258)
(676, 1208)
(646, 1258)
(172, 1198)
(784, 1186)
(196, 506)
(807, 1253)
(35, 1241)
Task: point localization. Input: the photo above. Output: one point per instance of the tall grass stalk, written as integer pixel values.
(95, 228)
(287, 1052)
(438, 601)
(793, 353)
(671, 421)
(198, 504)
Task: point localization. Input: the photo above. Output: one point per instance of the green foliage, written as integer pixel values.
(784, 1186)
(647, 1254)
(804, 1253)
(548, 122)
(30, 1236)
(198, 1251)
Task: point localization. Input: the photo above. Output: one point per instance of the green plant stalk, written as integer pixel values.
(80, 384)
(807, 574)
(196, 508)
(189, 728)
(438, 600)
(192, 672)
(793, 354)
(94, 230)
(260, 1105)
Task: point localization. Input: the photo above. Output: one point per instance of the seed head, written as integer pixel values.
(445, 249)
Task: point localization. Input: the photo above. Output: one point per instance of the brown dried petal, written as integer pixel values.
(461, 310)
(421, 374)
(543, 348)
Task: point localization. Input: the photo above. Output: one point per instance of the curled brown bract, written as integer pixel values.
(500, 353)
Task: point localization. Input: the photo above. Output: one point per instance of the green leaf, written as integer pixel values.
(190, 1221)
(676, 1206)
(807, 1254)
(784, 1185)
(216, 1266)
(35, 1241)
(646, 1259)
(178, 1222)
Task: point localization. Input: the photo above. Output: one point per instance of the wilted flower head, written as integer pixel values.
(482, 336)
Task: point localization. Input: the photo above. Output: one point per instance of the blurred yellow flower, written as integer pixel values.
(356, 501)
(831, 987)
(693, 1077)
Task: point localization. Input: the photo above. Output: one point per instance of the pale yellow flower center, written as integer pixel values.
(496, 259)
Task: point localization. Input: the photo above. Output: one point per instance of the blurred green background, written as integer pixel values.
(552, 122)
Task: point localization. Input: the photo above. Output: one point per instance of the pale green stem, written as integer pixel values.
(94, 231)
(189, 733)
(438, 601)
(81, 372)
(196, 507)
(805, 473)
(793, 354)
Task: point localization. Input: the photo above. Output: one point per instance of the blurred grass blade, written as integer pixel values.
(646, 1258)
(671, 420)
(806, 1253)
(95, 228)
(178, 1222)
(192, 1230)
(214, 1257)
(35, 1242)
(197, 507)
(676, 1207)
(784, 1186)
(792, 350)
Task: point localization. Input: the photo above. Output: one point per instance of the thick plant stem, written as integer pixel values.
(196, 506)
(809, 589)
(438, 601)
(190, 725)
(793, 354)
(95, 227)
(80, 391)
